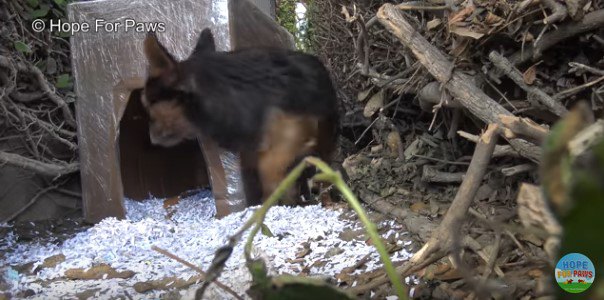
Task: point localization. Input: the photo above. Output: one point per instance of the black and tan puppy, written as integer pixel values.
(272, 106)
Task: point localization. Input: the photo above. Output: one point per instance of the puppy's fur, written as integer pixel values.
(272, 106)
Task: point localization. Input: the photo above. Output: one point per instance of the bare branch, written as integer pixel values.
(53, 170)
(507, 68)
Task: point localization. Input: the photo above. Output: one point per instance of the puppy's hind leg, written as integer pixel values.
(287, 137)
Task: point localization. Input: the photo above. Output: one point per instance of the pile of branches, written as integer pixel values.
(556, 48)
(37, 119)
(478, 83)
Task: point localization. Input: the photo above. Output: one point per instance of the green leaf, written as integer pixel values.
(63, 81)
(60, 2)
(40, 12)
(22, 47)
(266, 231)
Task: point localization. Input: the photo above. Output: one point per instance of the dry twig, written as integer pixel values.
(226, 288)
(507, 68)
(31, 202)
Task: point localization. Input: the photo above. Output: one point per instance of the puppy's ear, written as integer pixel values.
(205, 43)
(161, 63)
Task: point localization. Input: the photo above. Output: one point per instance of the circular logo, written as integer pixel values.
(575, 273)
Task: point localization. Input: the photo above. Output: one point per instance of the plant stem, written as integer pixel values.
(260, 214)
(327, 174)
(336, 179)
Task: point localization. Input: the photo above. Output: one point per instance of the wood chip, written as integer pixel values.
(102, 271)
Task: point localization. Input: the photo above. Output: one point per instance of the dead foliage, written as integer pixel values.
(430, 72)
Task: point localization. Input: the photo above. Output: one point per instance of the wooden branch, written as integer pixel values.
(515, 170)
(44, 85)
(559, 12)
(455, 120)
(478, 166)
(517, 127)
(575, 66)
(577, 89)
(412, 5)
(575, 8)
(382, 205)
(431, 174)
(223, 286)
(459, 85)
(534, 211)
(441, 241)
(430, 95)
(508, 69)
(586, 138)
(590, 21)
(53, 170)
(500, 150)
(26, 97)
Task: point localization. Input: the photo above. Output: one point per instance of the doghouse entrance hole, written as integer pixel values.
(147, 169)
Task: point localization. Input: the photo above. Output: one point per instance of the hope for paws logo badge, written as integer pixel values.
(575, 273)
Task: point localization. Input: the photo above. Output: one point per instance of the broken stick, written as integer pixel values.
(500, 150)
(431, 174)
(508, 69)
(586, 138)
(441, 242)
(524, 128)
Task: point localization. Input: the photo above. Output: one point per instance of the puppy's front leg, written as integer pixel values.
(251, 178)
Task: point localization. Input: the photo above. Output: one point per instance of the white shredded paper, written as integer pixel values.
(193, 234)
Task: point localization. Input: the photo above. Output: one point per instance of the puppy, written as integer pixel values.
(272, 106)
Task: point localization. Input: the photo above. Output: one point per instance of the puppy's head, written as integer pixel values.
(169, 91)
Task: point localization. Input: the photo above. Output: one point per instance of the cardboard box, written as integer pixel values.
(109, 67)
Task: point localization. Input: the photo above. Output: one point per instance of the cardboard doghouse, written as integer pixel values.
(116, 157)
